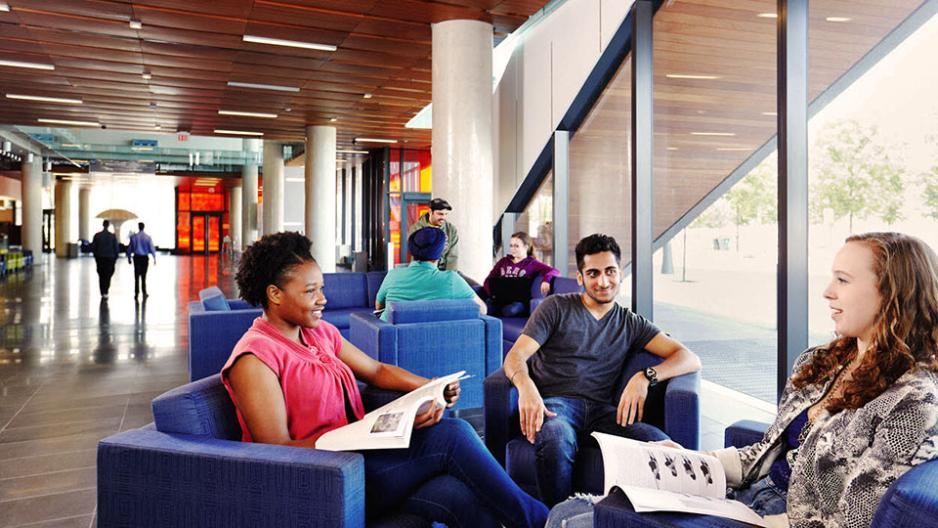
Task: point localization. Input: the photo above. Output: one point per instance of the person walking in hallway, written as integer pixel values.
(105, 249)
(141, 247)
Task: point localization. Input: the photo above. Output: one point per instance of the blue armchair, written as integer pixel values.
(512, 326)
(673, 406)
(911, 502)
(215, 326)
(434, 338)
(190, 468)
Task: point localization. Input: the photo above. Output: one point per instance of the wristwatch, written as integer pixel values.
(651, 375)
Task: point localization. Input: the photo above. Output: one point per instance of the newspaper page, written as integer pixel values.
(659, 478)
(389, 426)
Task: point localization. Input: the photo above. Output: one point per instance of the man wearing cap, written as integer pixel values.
(439, 210)
(422, 280)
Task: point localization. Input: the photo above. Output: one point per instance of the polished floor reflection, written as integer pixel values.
(74, 369)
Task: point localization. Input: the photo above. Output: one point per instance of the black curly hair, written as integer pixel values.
(596, 243)
(268, 261)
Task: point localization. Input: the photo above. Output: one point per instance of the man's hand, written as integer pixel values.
(532, 410)
(545, 288)
(451, 393)
(632, 402)
(431, 417)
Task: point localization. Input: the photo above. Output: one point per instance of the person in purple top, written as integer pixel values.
(520, 263)
(141, 247)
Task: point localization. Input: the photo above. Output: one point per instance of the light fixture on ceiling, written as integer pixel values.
(734, 149)
(30, 65)
(289, 43)
(67, 122)
(367, 96)
(146, 75)
(773, 114)
(672, 148)
(374, 140)
(690, 76)
(136, 24)
(713, 133)
(62, 100)
(333, 119)
(767, 15)
(238, 132)
(274, 87)
(5, 7)
(157, 127)
(837, 19)
(247, 114)
(337, 160)
(352, 152)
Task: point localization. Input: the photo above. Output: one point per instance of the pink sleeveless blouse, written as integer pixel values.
(312, 377)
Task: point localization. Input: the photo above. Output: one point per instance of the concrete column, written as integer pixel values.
(273, 187)
(63, 217)
(462, 136)
(84, 213)
(358, 204)
(32, 207)
(234, 217)
(249, 193)
(320, 194)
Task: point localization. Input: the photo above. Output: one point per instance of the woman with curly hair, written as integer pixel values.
(859, 411)
(292, 379)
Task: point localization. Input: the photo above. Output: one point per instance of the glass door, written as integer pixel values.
(198, 233)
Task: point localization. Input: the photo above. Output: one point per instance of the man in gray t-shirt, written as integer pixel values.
(568, 359)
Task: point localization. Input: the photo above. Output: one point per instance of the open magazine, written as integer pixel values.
(390, 426)
(659, 478)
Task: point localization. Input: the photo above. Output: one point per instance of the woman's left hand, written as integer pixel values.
(431, 417)
(451, 393)
(545, 288)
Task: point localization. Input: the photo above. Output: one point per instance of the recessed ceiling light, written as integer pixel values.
(157, 126)
(734, 149)
(352, 151)
(136, 24)
(367, 96)
(689, 76)
(238, 132)
(333, 119)
(22, 64)
(288, 109)
(67, 122)
(274, 87)
(712, 134)
(44, 99)
(672, 148)
(247, 114)
(374, 140)
(146, 75)
(837, 19)
(770, 113)
(289, 43)
(767, 15)
(339, 160)
(4, 7)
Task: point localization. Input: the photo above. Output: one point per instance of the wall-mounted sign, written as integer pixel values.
(112, 166)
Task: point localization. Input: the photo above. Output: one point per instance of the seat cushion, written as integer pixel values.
(912, 500)
(520, 463)
(213, 300)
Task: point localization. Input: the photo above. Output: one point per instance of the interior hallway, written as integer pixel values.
(74, 370)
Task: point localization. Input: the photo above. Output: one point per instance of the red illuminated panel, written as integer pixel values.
(182, 229)
(198, 234)
(184, 201)
(214, 229)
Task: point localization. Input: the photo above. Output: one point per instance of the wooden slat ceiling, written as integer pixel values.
(193, 48)
(729, 41)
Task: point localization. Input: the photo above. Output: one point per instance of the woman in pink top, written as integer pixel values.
(292, 379)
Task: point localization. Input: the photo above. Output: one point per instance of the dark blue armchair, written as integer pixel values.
(434, 338)
(673, 406)
(912, 502)
(189, 468)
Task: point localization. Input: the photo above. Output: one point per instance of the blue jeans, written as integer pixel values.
(557, 442)
(475, 492)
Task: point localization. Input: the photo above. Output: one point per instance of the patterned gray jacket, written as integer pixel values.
(848, 460)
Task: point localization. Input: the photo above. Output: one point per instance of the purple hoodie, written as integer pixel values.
(527, 267)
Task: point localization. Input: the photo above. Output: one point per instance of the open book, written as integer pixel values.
(390, 426)
(659, 478)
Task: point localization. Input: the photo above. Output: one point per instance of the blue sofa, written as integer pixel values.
(911, 502)
(189, 468)
(673, 406)
(512, 326)
(434, 338)
(216, 324)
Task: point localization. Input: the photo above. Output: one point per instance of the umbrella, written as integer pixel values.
(116, 214)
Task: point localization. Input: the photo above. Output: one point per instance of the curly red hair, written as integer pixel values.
(906, 335)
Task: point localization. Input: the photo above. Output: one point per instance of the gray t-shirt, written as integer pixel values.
(580, 356)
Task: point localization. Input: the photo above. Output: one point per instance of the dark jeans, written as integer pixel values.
(558, 440)
(475, 493)
(105, 272)
(141, 264)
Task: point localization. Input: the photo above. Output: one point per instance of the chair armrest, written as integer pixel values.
(744, 433)
(501, 413)
(374, 337)
(682, 410)
(493, 343)
(149, 479)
